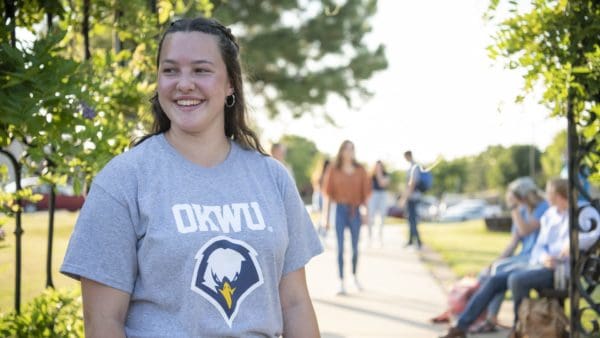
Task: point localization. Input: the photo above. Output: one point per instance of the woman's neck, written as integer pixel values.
(562, 206)
(348, 167)
(204, 150)
(348, 164)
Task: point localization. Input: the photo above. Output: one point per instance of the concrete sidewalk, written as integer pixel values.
(400, 294)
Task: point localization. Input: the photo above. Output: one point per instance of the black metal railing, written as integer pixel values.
(18, 228)
(585, 265)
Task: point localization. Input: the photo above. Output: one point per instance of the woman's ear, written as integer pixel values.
(230, 88)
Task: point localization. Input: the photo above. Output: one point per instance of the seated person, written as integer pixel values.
(551, 247)
(527, 206)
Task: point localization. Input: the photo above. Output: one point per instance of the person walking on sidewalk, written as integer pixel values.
(411, 198)
(279, 152)
(347, 184)
(195, 231)
(317, 199)
(378, 201)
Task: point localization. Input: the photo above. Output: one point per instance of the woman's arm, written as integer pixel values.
(326, 191)
(524, 228)
(104, 309)
(325, 212)
(367, 189)
(511, 247)
(299, 319)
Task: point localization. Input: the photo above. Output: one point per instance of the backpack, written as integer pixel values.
(541, 318)
(458, 298)
(460, 294)
(425, 180)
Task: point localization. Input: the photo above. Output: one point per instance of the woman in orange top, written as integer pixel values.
(347, 184)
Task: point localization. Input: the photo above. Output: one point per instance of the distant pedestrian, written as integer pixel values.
(411, 198)
(317, 199)
(317, 183)
(279, 152)
(380, 180)
(347, 184)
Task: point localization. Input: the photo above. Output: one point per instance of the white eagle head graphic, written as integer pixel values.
(223, 270)
(226, 272)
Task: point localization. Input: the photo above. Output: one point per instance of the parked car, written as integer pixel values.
(465, 210)
(65, 195)
(427, 209)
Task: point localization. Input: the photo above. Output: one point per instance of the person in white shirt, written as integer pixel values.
(551, 249)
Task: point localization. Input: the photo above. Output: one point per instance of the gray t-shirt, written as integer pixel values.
(200, 250)
(414, 174)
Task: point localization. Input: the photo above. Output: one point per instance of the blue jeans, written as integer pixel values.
(508, 264)
(520, 283)
(413, 233)
(347, 216)
(377, 209)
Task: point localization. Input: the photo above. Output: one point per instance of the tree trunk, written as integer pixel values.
(49, 21)
(18, 229)
(9, 12)
(117, 43)
(86, 29)
(51, 210)
(153, 9)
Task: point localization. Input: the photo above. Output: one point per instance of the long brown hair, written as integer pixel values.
(338, 157)
(236, 126)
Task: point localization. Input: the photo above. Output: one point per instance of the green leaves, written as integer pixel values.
(556, 43)
(298, 64)
(490, 170)
(302, 155)
(73, 115)
(52, 314)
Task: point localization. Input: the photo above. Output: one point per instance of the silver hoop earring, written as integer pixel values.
(230, 101)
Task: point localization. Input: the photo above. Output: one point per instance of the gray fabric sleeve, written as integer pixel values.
(103, 244)
(303, 241)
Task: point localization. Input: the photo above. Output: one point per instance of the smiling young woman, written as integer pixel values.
(195, 232)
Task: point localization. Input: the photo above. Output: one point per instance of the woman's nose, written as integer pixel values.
(185, 84)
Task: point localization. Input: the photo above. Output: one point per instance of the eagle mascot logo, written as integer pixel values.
(226, 273)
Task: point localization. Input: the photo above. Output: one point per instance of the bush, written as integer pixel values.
(52, 314)
(2, 232)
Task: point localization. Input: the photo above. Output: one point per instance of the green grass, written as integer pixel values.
(34, 251)
(466, 247)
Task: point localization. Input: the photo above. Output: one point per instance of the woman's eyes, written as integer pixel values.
(169, 70)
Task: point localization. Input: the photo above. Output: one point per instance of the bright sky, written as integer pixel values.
(441, 94)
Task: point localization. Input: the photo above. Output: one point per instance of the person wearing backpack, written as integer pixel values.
(411, 198)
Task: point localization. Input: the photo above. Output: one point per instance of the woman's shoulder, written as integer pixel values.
(123, 166)
(267, 168)
(361, 169)
(550, 215)
(133, 154)
(542, 205)
(256, 160)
